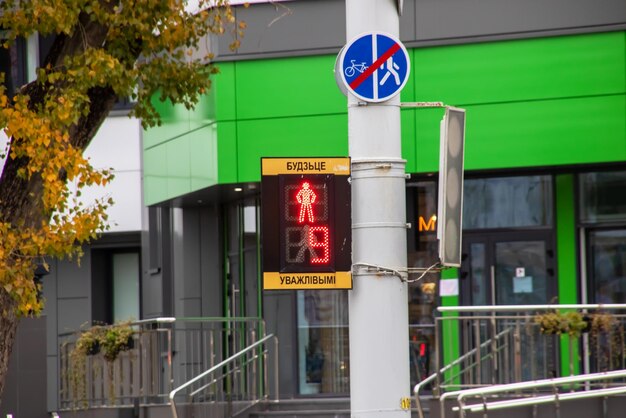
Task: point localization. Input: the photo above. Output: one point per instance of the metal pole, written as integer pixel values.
(379, 335)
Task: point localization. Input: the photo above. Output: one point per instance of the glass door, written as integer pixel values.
(508, 268)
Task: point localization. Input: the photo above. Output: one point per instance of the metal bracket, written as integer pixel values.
(423, 104)
(373, 268)
(401, 273)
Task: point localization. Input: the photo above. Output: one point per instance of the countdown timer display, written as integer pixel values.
(306, 224)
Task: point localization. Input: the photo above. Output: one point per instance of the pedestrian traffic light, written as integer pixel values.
(450, 210)
(306, 223)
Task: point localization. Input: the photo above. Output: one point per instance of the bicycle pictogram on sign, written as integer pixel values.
(352, 69)
(374, 66)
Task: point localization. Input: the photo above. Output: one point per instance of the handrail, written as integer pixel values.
(160, 320)
(510, 403)
(532, 384)
(522, 308)
(219, 366)
(433, 376)
(171, 320)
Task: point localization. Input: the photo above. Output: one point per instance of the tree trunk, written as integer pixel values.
(8, 328)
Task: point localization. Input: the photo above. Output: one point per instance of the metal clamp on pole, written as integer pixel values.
(359, 269)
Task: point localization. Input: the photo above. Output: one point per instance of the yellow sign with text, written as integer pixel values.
(274, 166)
(312, 281)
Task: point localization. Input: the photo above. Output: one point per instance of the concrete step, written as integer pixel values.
(310, 408)
(305, 408)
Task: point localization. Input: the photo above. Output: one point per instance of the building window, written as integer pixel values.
(323, 349)
(507, 202)
(125, 268)
(422, 246)
(607, 266)
(602, 204)
(602, 196)
(115, 285)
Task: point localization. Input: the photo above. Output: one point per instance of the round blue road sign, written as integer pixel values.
(374, 66)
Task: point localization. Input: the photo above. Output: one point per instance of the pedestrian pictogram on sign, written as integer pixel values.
(374, 66)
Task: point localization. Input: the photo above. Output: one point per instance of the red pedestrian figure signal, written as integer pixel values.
(306, 197)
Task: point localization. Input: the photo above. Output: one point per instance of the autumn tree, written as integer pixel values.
(102, 50)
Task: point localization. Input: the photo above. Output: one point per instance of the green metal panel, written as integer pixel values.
(532, 134)
(227, 158)
(450, 330)
(409, 151)
(408, 92)
(223, 92)
(535, 102)
(566, 238)
(175, 122)
(321, 136)
(181, 165)
(155, 175)
(521, 70)
(427, 139)
(287, 87)
(566, 262)
(178, 166)
(203, 157)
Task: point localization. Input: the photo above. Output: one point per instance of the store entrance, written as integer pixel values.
(508, 268)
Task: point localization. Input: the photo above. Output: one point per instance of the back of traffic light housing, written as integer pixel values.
(450, 207)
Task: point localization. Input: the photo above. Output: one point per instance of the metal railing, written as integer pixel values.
(505, 344)
(165, 352)
(470, 354)
(231, 386)
(533, 399)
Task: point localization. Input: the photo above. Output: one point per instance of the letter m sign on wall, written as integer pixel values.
(306, 223)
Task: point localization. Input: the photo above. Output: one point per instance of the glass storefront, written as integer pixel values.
(422, 252)
(323, 351)
(507, 202)
(607, 251)
(507, 243)
(602, 197)
(509, 258)
(603, 216)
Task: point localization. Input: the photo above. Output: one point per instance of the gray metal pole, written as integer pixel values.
(379, 340)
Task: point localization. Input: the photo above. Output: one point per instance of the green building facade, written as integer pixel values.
(545, 160)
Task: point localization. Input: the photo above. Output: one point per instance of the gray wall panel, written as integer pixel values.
(26, 378)
(50, 310)
(191, 253)
(178, 263)
(188, 252)
(151, 266)
(74, 280)
(73, 313)
(152, 295)
(311, 26)
(407, 22)
(280, 315)
(211, 262)
(308, 27)
(189, 307)
(53, 383)
(458, 19)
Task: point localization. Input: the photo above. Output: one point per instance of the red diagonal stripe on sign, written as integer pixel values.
(365, 74)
